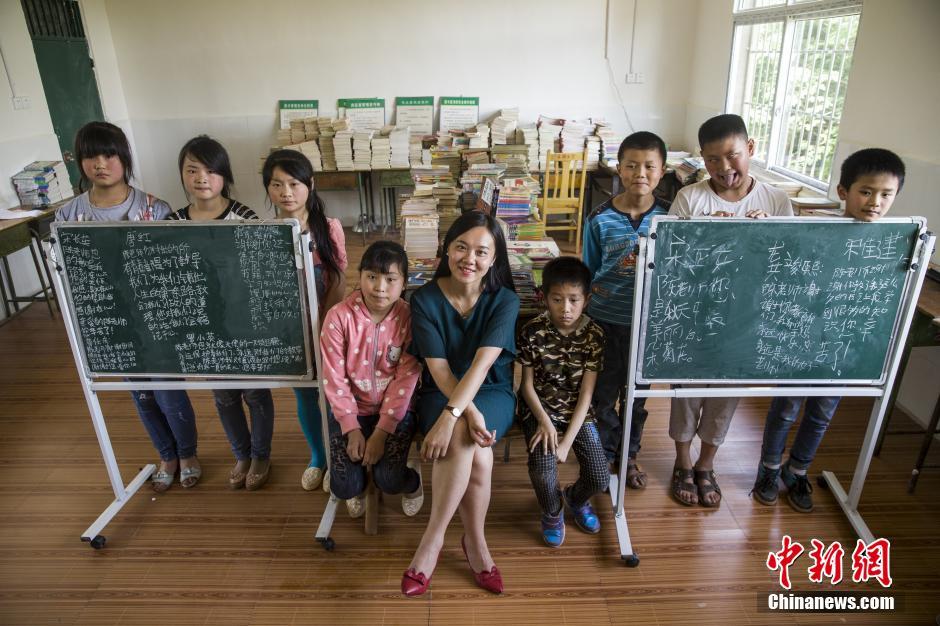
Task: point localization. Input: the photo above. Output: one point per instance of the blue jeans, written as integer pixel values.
(170, 421)
(391, 473)
(783, 412)
(247, 444)
(609, 389)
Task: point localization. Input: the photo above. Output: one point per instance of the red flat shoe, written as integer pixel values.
(490, 580)
(414, 583)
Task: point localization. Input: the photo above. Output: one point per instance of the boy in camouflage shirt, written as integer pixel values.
(561, 352)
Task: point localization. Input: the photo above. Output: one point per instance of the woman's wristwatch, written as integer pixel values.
(454, 411)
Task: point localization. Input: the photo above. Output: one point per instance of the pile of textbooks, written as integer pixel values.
(43, 182)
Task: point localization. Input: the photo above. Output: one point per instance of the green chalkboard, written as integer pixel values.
(773, 300)
(217, 299)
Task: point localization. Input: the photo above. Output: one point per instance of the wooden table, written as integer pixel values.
(16, 234)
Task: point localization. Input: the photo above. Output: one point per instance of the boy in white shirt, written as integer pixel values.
(729, 192)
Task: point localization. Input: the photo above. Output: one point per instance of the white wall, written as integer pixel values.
(25, 135)
(219, 67)
(709, 62)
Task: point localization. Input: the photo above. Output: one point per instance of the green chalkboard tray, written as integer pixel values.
(776, 300)
(219, 299)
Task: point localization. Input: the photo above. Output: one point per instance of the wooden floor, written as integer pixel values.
(212, 556)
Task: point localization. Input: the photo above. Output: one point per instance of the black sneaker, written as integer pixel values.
(765, 487)
(799, 490)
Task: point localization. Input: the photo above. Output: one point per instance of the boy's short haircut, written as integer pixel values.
(382, 255)
(871, 161)
(566, 270)
(721, 127)
(643, 140)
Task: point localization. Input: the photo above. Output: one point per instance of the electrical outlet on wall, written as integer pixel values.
(635, 78)
(21, 102)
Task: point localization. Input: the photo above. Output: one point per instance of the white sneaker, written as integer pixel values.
(312, 478)
(411, 503)
(356, 506)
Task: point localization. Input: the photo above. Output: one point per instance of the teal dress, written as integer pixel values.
(439, 331)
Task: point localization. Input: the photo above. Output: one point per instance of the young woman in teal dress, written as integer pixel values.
(463, 330)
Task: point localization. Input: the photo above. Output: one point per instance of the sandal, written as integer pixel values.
(705, 479)
(189, 476)
(681, 485)
(636, 478)
(161, 480)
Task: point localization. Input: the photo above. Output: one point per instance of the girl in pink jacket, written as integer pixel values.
(369, 379)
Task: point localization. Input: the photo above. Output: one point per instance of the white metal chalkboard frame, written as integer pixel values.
(298, 264)
(647, 299)
(848, 501)
(90, 387)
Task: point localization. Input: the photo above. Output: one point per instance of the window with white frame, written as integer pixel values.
(790, 66)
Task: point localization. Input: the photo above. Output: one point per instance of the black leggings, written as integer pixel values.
(543, 468)
(391, 473)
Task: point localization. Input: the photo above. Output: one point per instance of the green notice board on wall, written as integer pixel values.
(219, 299)
(775, 300)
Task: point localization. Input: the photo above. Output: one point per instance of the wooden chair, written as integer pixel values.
(563, 193)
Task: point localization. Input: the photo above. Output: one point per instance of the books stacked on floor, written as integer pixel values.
(472, 182)
(527, 259)
(398, 145)
(419, 229)
(297, 134)
(549, 132)
(362, 149)
(327, 152)
(448, 198)
(342, 147)
(381, 149)
(311, 129)
(479, 136)
(446, 157)
(474, 156)
(505, 153)
(416, 151)
(610, 140)
(504, 129)
(43, 182)
(514, 204)
(529, 136)
(283, 137)
(420, 271)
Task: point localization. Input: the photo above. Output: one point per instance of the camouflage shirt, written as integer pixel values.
(559, 363)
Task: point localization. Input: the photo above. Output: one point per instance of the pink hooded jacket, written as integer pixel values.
(366, 367)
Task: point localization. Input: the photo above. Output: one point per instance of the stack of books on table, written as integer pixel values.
(688, 169)
(529, 136)
(549, 132)
(471, 182)
(610, 140)
(297, 133)
(312, 151)
(398, 144)
(479, 137)
(362, 150)
(503, 129)
(342, 145)
(448, 197)
(448, 157)
(43, 182)
(503, 154)
(327, 152)
(592, 144)
(311, 129)
(381, 149)
(573, 134)
(283, 137)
